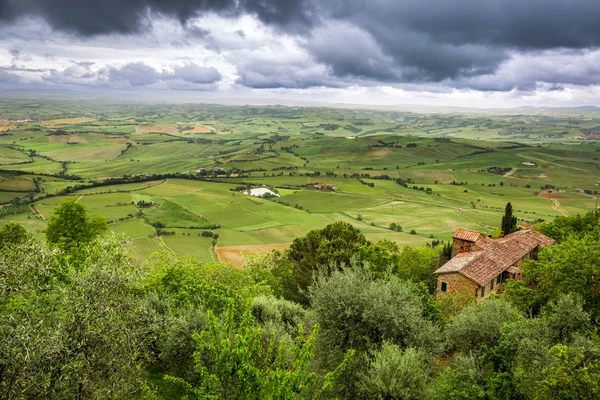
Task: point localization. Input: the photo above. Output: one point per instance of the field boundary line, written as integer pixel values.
(36, 211)
(458, 212)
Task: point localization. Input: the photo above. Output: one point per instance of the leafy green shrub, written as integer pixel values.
(395, 374)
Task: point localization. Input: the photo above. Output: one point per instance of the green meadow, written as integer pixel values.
(191, 161)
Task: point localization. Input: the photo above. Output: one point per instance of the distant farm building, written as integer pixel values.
(595, 135)
(261, 192)
(324, 187)
(480, 265)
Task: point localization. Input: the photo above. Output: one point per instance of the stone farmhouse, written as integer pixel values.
(480, 264)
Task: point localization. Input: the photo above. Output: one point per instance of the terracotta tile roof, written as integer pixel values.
(484, 241)
(497, 256)
(528, 236)
(465, 234)
(457, 263)
(513, 270)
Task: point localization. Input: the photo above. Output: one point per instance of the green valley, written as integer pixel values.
(162, 175)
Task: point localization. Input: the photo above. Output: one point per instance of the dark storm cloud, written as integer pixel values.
(293, 15)
(531, 24)
(402, 41)
(6, 10)
(95, 17)
(550, 70)
(433, 41)
(351, 52)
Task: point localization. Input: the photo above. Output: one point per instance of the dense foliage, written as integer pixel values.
(335, 316)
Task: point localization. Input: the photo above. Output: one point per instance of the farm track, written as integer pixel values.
(164, 244)
(509, 173)
(556, 206)
(36, 211)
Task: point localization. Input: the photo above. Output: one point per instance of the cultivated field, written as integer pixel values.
(427, 173)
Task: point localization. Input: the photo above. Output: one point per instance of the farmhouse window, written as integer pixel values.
(498, 278)
(444, 286)
(492, 285)
(482, 291)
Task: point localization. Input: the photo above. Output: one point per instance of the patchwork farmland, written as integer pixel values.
(172, 178)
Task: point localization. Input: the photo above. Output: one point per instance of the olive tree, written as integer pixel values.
(67, 332)
(477, 327)
(359, 310)
(395, 374)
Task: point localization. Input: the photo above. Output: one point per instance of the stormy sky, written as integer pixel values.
(484, 53)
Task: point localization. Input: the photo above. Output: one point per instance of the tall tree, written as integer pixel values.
(509, 221)
(70, 225)
(335, 245)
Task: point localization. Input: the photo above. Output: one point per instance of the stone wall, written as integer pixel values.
(458, 246)
(455, 284)
(488, 288)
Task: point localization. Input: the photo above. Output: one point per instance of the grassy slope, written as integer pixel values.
(324, 140)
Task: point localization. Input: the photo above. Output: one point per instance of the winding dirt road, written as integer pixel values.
(556, 206)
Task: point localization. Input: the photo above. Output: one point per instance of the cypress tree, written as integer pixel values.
(509, 221)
